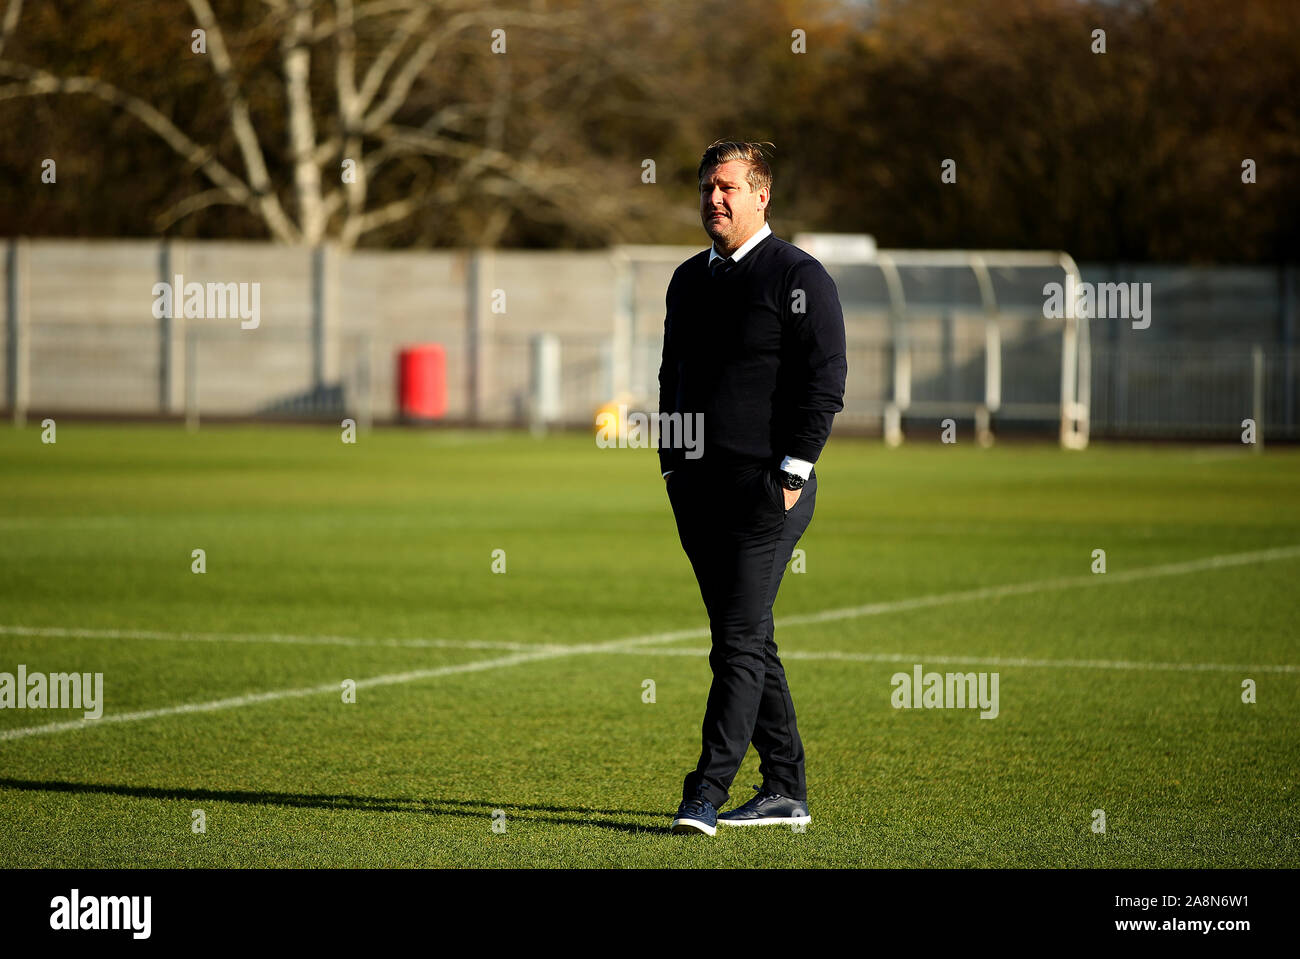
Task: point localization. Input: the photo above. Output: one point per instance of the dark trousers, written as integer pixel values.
(738, 536)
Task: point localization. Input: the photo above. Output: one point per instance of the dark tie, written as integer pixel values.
(721, 266)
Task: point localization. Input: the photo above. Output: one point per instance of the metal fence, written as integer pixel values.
(1195, 392)
(957, 334)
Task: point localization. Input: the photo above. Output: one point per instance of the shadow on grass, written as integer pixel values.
(472, 808)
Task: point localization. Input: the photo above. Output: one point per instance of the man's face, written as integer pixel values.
(730, 210)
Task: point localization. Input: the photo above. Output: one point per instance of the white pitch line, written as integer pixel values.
(649, 639)
(64, 632)
(976, 660)
(391, 679)
(852, 612)
(1044, 585)
(250, 699)
(58, 632)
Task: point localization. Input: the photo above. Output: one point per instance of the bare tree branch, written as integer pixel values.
(400, 88)
(366, 11)
(194, 203)
(349, 103)
(388, 55)
(399, 210)
(513, 146)
(240, 122)
(296, 56)
(42, 83)
(12, 12)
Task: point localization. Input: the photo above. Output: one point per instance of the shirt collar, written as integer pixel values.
(763, 232)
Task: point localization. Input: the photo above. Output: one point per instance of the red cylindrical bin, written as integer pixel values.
(422, 381)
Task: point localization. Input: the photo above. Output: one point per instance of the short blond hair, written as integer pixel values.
(755, 157)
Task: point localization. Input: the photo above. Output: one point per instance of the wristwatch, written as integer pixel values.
(791, 481)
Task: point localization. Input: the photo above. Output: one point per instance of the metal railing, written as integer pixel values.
(930, 335)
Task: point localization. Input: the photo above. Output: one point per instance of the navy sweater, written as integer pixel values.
(759, 351)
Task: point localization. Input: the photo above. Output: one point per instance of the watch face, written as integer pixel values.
(792, 481)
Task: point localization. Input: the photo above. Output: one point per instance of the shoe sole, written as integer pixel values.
(767, 821)
(684, 826)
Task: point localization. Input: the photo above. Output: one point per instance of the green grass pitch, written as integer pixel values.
(519, 692)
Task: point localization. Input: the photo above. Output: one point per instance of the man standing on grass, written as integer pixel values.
(754, 346)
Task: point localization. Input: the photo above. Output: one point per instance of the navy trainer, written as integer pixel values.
(696, 815)
(767, 809)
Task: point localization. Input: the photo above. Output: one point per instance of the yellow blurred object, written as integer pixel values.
(610, 417)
